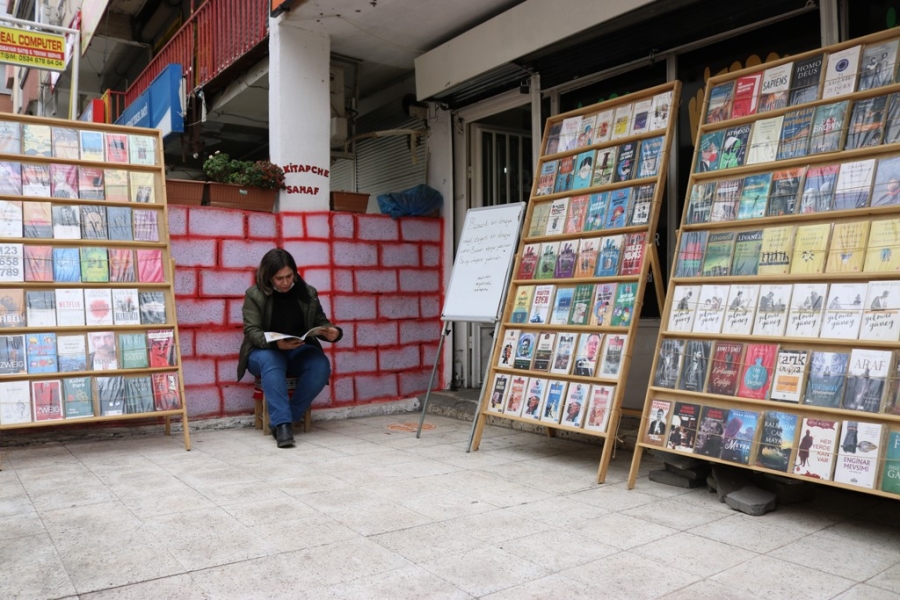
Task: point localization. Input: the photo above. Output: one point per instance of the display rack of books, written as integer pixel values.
(87, 308)
(779, 343)
(563, 348)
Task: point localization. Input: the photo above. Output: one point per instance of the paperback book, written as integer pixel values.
(726, 200)
(764, 140)
(552, 412)
(790, 375)
(810, 248)
(69, 307)
(741, 309)
(562, 354)
(587, 257)
(725, 368)
(13, 307)
(795, 132)
(111, 395)
(166, 392)
(623, 309)
(772, 310)
(881, 313)
(708, 152)
(576, 401)
(785, 189)
(535, 396)
(883, 247)
(683, 430)
(840, 72)
(757, 370)
(643, 201)
(828, 127)
(700, 203)
(746, 95)
(627, 161)
(721, 98)
(508, 348)
(138, 394)
(565, 260)
(859, 454)
(847, 251)
(669, 363)
(886, 190)
(604, 169)
(866, 126)
(499, 388)
(565, 175)
(844, 311)
(691, 249)
(739, 435)
(878, 65)
(604, 297)
(516, 396)
(683, 308)
(827, 375)
(710, 430)
(659, 420)
(47, 399)
(556, 219)
(806, 312)
(867, 373)
(776, 442)
(153, 307)
(710, 311)
(612, 355)
(586, 354)
(776, 85)
(71, 352)
(609, 255)
(543, 351)
(78, 397)
(747, 248)
(540, 305)
(854, 184)
(15, 402)
(734, 146)
(64, 142)
(597, 414)
(777, 250)
(524, 350)
(717, 259)
(818, 190)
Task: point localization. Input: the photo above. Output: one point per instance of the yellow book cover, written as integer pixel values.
(116, 181)
(810, 248)
(522, 304)
(883, 249)
(142, 185)
(848, 247)
(775, 252)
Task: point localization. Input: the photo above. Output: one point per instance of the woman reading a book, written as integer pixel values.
(282, 302)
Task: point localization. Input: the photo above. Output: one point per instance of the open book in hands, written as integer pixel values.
(273, 336)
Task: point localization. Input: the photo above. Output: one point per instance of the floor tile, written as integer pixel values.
(627, 575)
(37, 567)
(694, 554)
(889, 579)
(485, 570)
(830, 554)
(406, 583)
(777, 579)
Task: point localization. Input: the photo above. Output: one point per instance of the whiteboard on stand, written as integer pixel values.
(483, 262)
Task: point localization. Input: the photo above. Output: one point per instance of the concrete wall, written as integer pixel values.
(378, 278)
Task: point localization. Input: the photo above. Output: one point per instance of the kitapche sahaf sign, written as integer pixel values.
(32, 49)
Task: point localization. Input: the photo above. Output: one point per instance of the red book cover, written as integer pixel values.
(38, 263)
(90, 183)
(725, 368)
(116, 147)
(121, 265)
(162, 347)
(577, 210)
(528, 264)
(150, 267)
(633, 257)
(47, 397)
(64, 181)
(756, 373)
(165, 391)
(746, 95)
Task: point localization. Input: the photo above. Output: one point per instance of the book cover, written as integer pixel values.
(118, 222)
(153, 308)
(576, 401)
(71, 353)
(540, 215)
(11, 218)
(623, 309)
(881, 313)
(757, 370)
(878, 65)
(683, 308)
(669, 363)
(166, 394)
(111, 395)
(843, 311)
(603, 126)
(807, 304)
(138, 395)
(547, 262)
(556, 218)
(854, 184)
(795, 132)
(12, 355)
(36, 140)
(640, 116)
(149, 265)
(90, 183)
(141, 150)
(747, 249)
(810, 248)
(598, 410)
(883, 247)
(524, 350)
(790, 375)
(660, 110)
(562, 354)
(47, 399)
(726, 200)
(725, 367)
(66, 222)
(91, 145)
(562, 305)
(553, 406)
(771, 312)
(94, 265)
(521, 304)
(892, 120)
(700, 203)
(708, 153)
(634, 249)
(12, 268)
(622, 121)
(710, 430)
(866, 123)
(717, 259)
(586, 131)
(64, 142)
(565, 175)
(78, 397)
(10, 178)
(540, 305)
(826, 378)
(543, 351)
(38, 263)
(546, 178)
(840, 72)
(867, 376)
(746, 95)
(683, 430)
(776, 85)
(695, 365)
(710, 310)
(776, 251)
(691, 249)
(658, 421)
(785, 189)
(577, 212)
(740, 310)
(764, 140)
(98, 306)
(776, 442)
(588, 251)
(69, 307)
(627, 161)
(584, 169)
(587, 352)
(64, 182)
(859, 453)
(12, 307)
(581, 304)
(142, 187)
(121, 265)
(10, 138)
(846, 253)
(133, 350)
(651, 150)
(37, 220)
(602, 309)
(565, 260)
(499, 389)
(102, 351)
(818, 190)
(643, 201)
(508, 348)
(568, 134)
(552, 146)
(515, 398)
(535, 394)
(734, 146)
(739, 435)
(720, 101)
(609, 255)
(40, 348)
(146, 227)
(618, 208)
(890, 476)
(35, 180)
(611, 355)
(604, 167)
(886, 189)
(93, 223)
(594, 219)
(828, 127)
(116, 147)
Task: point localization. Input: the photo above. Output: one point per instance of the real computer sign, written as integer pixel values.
(32, 49)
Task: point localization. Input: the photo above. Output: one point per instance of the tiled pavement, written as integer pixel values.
(358, 510)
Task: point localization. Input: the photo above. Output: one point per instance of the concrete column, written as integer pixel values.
(300, 114)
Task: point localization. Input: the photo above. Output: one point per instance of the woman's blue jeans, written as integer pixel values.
(307, 363)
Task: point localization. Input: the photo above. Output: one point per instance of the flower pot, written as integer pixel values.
(229, 195)
(184, 191)
(349, 201)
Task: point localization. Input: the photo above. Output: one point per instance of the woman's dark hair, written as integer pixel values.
(274, 260)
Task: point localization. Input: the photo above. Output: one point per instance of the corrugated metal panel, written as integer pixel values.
(386, 164)
(341, 176)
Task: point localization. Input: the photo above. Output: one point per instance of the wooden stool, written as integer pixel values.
(261, 409)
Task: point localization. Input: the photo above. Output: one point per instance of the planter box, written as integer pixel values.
(185, 191)
(349, 201)
(229, 195)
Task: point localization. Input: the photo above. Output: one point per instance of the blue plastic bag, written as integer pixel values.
(414, 202)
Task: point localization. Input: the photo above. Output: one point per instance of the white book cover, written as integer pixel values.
(556, 219)
(10, 218)
(599, 407)
(854, 184)
(740, 309)
(807, 304)
(15, 402)
(776, 83)
(844, 311)
(612, 355)
(772, 309)
(659, 113)
(789, 375)
(859, 453)
(816, 448)
(499, 389)
(881, 313)
(622, 121)
(535, 395)
(69, 307)
(640, 118)
(710, 308)
(568, 135)
(515, 399)
(541, 303)
(603, 126)
(576, 402)
(98, 306)
(40, 308)
(508, 348)
(764, 139)
(683, 309)
(66, 222)
(11, 262)
(840, 73)
(126, 310)
(562, 355)
(72, 352)
(556, 395)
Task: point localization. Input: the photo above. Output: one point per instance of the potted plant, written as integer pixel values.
(244, 184)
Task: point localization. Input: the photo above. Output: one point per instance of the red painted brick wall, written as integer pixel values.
(379, 279)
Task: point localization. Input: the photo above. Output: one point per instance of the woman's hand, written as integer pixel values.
(331, 333)
(289, 344)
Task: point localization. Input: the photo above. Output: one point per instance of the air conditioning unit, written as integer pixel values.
(338, 131)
